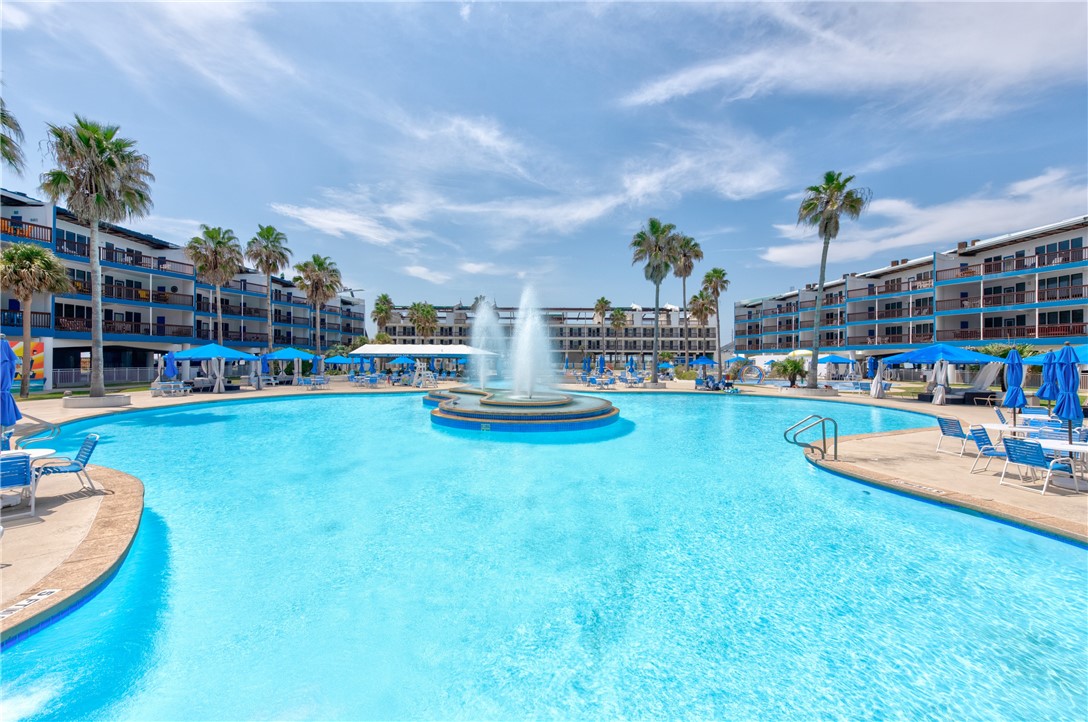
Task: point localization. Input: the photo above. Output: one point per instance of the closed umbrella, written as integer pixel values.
(600, 364)
(876, 388)
(1014, 378)
(566, 362)
(940, 378)
(1068, 407)
(9, 412)
(171, 365)
(264, 365)
(871, 366)
(1048, 389)
(586, 364)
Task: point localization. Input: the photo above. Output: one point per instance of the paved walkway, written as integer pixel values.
(907, 460)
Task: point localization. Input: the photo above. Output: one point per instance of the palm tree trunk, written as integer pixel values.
(657, 329)
(815, 360)
(98, 377)
(28, 354)
(219, 314)
(684, 310)
(268, 285)
(317, 328)
(718, 337)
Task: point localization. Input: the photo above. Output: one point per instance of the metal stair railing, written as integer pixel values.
(810, 422)
(40, 431)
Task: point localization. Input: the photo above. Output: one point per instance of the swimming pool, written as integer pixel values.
(340, 558)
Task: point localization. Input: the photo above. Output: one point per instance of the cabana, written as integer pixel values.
(218, 356)
(284, 355)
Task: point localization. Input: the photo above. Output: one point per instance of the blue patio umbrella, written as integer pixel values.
(462, 361)
(833, 359)
(586, 363)
(211, 351)
(403, 360)
(1068, 407)
(632, 367)
(9, 412)
(870, 365)
(370, 365)
(942, 352)
(339, 360)
(566, 362)
(600, 364)
(664, 365)
(1048, 389)
(704, 361)
(288, 354)
(171, 368)
(1081, 352)
(1014, 377)
(265, 370)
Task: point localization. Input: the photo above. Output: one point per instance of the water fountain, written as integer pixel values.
(525, 399)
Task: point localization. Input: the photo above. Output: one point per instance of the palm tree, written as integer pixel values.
(688, 251)
(822, 207)
(320, 280)
(268, 251)
(11, 135)
(382, 313)
(790, 368)
(715, 284)
(101, 177)
(702, 307)
(382, 337)
(27, 269)
(656, 245)
(424, 317)
(618, 321)
(600, 313)
(217, 256)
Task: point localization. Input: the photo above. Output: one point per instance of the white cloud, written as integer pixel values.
(339, 222)
(213, 41)
(932, 61)
(175, 230)
(436, 277)
(465, 11)
(1053, 195)
(485, 268)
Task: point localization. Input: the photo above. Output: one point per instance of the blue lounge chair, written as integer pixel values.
(699, 383)
(77, 466)
(986, 447)
(951, 428)
(1029, 454)
(16, 474)
(1000, 416)
(1035, 411)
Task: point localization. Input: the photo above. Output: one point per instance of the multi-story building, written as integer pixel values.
(152, 301)
(1025, 287)
(574, 332)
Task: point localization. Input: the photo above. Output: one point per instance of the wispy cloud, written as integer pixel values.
(339, 222)
(1053, 195)
(175, 230)
(427, 274)
(933, 61)
(215, 42)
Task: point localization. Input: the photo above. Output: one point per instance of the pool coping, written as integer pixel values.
(1039, 522)
(89, 566)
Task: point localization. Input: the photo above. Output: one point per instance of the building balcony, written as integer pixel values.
(1057, 330)
(891, 339)
(1024, 264)
(907, 285)
(114, 291)
(233, 309)
(993, 300)
(133, 259)
(208, 334)
(126, 328)
(38, 319)
(28, 231)
(1063, 293)
(286, 339)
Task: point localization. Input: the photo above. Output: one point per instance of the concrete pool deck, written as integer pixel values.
(80, 536)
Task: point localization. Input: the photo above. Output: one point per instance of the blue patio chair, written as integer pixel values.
(986, 447)
(16, 474)
(699, 383)
(1026, 453)
(77, 466)
(1000, 416)
(951, 429)
(1035, 411)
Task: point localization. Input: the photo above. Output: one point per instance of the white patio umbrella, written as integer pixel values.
(940, 381)
(876, 388)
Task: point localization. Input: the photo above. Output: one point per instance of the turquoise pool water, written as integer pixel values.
(339, 558)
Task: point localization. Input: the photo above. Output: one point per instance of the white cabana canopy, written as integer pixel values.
(418, 350)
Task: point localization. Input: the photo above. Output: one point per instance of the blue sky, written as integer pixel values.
(441, 150)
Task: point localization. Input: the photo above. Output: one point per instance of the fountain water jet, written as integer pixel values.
(530, 404)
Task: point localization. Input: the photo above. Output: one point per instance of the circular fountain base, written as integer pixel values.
(476, 410)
